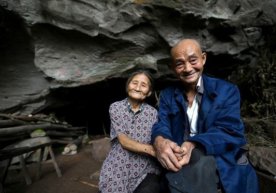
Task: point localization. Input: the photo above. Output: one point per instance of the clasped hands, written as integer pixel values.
(172, 156)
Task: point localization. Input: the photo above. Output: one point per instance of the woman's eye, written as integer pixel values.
(143, 85)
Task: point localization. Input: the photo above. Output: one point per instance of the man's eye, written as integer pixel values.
(178, 63)
(193, 61)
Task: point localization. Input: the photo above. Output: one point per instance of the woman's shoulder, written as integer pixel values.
(118, 104)
(149, 107)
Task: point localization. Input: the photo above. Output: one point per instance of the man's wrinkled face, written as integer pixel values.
(188, 61)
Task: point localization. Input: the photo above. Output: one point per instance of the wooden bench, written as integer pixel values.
(39, 144)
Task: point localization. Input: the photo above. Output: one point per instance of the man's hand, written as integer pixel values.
(187, 148)
(168, 153)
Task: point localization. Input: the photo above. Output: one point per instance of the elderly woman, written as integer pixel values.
(130, 165)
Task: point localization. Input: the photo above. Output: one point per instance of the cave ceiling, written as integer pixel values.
(55, 44)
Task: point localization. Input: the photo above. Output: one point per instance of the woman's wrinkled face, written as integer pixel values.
(139, 87)
(188, 62)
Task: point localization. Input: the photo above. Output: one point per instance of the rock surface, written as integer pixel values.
(264, 158)
(69, 43)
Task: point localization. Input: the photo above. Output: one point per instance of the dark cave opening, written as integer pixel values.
(221, 66)
(87, 106)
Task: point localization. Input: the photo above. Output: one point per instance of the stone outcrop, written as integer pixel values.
(69, 43)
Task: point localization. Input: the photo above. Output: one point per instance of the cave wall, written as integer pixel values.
(67, 44)
(21, 82)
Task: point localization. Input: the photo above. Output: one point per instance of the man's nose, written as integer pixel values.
(188, 67)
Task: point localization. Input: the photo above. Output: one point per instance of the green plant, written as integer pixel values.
(258, 86)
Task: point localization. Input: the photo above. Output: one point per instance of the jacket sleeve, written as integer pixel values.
(223, 129)
(162, 126)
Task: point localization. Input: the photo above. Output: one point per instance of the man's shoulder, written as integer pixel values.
(217, 81)
(169, 90)
(172, 86)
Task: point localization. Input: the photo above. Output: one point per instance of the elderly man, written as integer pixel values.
(199, 133)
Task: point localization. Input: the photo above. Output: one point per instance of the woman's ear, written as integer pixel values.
(149, 94)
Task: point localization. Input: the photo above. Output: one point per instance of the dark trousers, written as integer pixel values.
(151, 184)
(198, 176)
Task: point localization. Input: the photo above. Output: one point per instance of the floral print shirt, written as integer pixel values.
(122, 171)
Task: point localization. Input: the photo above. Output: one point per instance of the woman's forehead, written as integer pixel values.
(141, 77)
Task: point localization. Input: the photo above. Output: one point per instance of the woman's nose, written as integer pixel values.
(138, 87)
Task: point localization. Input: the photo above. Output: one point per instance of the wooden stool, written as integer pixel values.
(38, 144)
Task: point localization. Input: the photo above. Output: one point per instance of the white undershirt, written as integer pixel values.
(192, 113)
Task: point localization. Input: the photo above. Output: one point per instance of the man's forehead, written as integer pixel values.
(185, 50)
(188, 44)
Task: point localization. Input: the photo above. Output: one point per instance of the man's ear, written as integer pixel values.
(204, 57)
(171, 66)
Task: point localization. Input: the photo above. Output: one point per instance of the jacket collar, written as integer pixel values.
(208, 97)
(210, 86)
(208, 89)
(180, 90)
(207, 100)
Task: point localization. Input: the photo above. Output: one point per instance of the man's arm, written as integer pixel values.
(162, 127)
(168, 152)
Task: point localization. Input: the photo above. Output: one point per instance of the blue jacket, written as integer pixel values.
(220, 130)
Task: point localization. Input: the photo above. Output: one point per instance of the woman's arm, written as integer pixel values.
(135, 146)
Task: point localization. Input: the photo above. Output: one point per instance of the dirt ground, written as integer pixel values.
(76, 175)
(80, 174)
